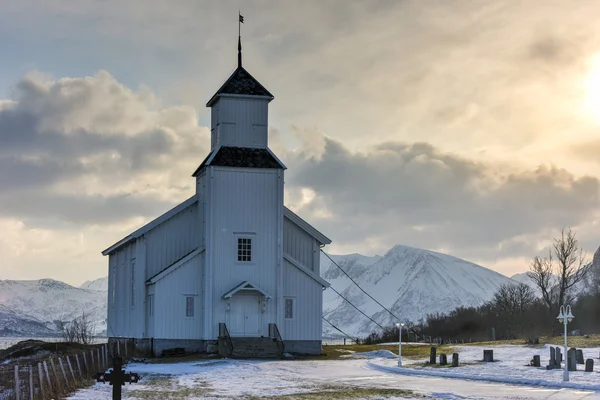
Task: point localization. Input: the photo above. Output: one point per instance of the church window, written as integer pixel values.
(244, 249)
(289, 308)
(189, 306)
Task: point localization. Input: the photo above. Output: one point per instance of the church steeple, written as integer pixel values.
(240, 22)
(240, 110)
(240, 82)
(239, 52)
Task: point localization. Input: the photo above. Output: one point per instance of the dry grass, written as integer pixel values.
(574, 341)
(334, 352)
(336, 393)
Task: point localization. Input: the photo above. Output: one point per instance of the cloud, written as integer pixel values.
(417, 194)
(87, 150)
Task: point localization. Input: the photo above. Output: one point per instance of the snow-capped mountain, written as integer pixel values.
(38, 304)
(524, 278)
(410, 282)
(100, 284)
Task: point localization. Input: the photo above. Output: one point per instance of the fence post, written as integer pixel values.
(41, 376)
(126, 342)
(17, 381)
(106, 354)
(85, 364)
(92, 359)
(119, 347)
(62, 368)
(78, 366)
(55, 374)
(47, 376)
(30, 382)
(99, 360)
(70, 368)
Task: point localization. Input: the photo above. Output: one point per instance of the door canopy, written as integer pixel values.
(246, 287)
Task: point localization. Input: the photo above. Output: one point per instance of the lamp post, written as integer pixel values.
(399, 325)
(564, 317)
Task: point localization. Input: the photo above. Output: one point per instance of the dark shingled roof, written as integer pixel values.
(241, 82)
(243, 157)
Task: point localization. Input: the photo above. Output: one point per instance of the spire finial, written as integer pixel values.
(240, 22)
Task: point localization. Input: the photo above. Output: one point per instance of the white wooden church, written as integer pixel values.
(230, 269)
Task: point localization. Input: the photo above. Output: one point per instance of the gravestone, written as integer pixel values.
(443, 359)
(580, 357)
(455, 359)
(572, 360)
(552, 356)
(432, 355)
(589, 365)
(488, 355)
(559, 356)
(536, 361)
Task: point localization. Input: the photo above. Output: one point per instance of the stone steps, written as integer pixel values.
(255, 347)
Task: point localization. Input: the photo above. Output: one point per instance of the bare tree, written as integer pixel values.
(567, 262)
(79, 330)
(511, 304)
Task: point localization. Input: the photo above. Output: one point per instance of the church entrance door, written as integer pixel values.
(244, 315)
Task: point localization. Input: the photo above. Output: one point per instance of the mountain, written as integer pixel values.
(410, 282)
(38, 304)
(13, 324)
(100, 284)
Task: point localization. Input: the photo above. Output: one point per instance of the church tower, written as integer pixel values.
(240, 193)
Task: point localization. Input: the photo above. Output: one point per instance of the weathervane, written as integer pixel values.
(240, 22)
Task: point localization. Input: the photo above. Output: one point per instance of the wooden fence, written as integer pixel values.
(55, 377)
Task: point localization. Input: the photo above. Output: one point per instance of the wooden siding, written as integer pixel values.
(252, 211)
(119, 291)
(240, 122)
(308, 295)
(300, 245)
(171, 240)
(170, 292)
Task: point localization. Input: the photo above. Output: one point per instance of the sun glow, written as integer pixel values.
(592, 89)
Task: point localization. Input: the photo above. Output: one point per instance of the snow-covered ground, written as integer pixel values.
(235, 379)
(510, 366)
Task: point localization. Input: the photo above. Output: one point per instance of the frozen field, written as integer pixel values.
(358, 378)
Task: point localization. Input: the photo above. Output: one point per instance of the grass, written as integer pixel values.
(332, 352)
(160, 386)
(335, 393)
(574, 341)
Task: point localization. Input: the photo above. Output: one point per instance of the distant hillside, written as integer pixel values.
(100, 284)
(411, 282)
(33, 307)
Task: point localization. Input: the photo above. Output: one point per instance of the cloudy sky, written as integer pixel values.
(466, 127)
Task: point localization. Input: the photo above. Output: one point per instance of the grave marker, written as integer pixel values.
(488, 355)
(580, 357)
(589, 365)
(443, 359)
(455, 359)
